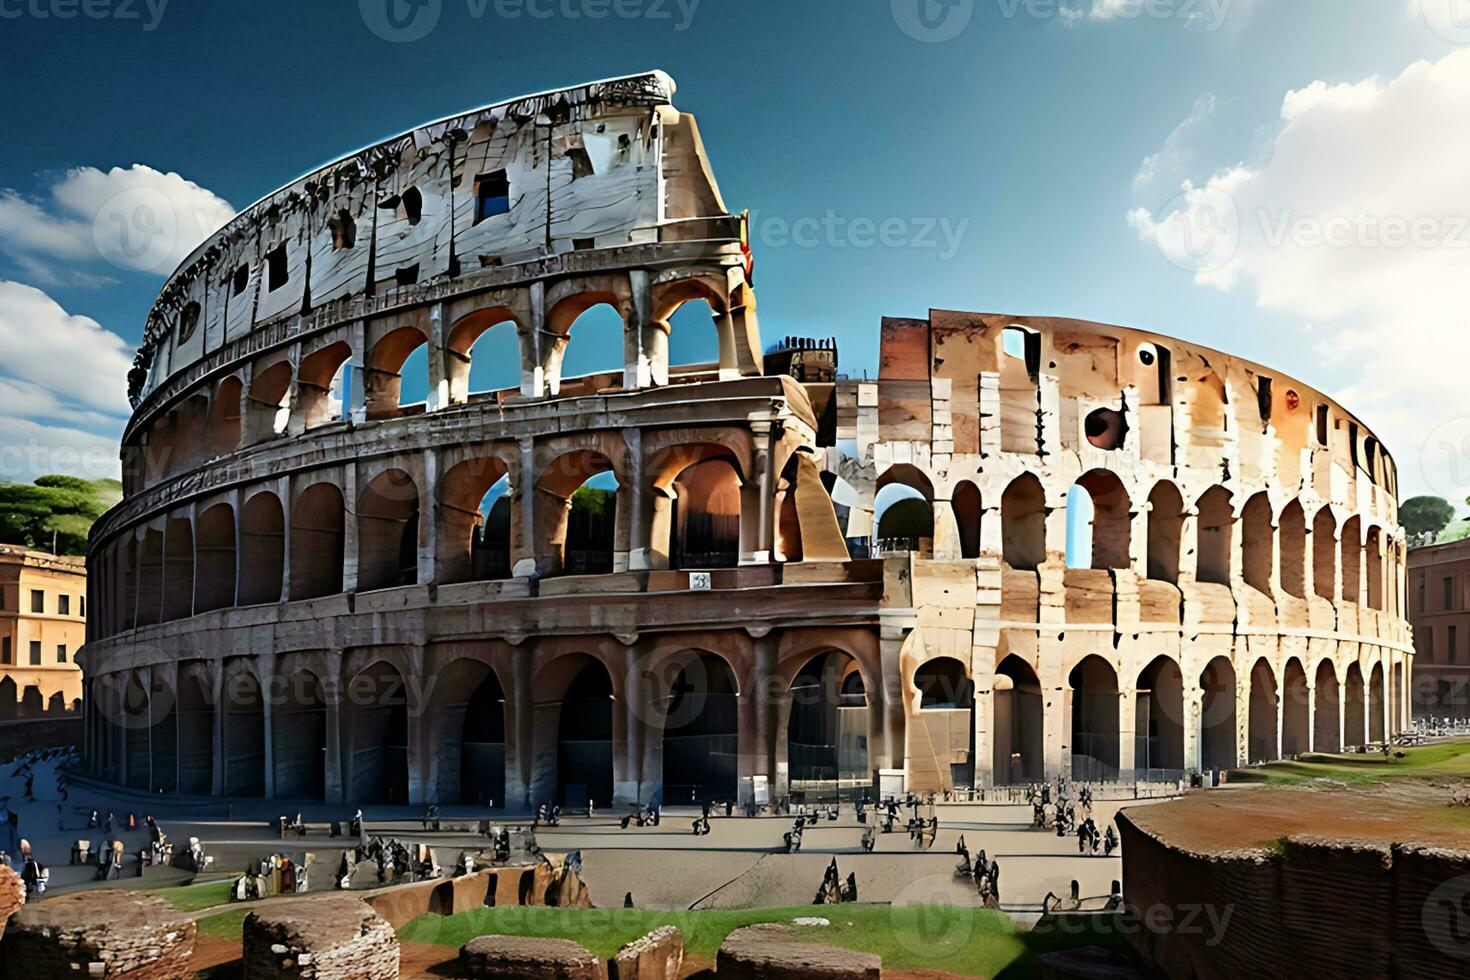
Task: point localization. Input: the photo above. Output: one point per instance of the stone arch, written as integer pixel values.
(268, 402)
(1328, 719)
(1296, 735)
(1262, 737)
(942, 721)
(262, 549)
(564, 312)
(225, 418)
(382, 378)
(1376, 703)
(464, 335)
(573, 539)
(1374, 566)
(1094, 693)
(299, 736)
(1352, 559)
(699, 715)
(968, 510)
(1293, 531)
(376, 719)
(734, 355)
(150, 576)
(196, 731)
(1018, 745)
(1165, 532)
(318, 374)
(472, 545)
(214, 584)
(178, 569)
(388, 532)
(1023, 523)
(317, 539)
(1159, 717)
(1217, 715)
(1105, 540)
(1355, 708)
(903, 509)
(585, 734)
(1324, 554)
(827, 726)
(244, 730)
(1258, 543)
(1215, 536)
(699, 495)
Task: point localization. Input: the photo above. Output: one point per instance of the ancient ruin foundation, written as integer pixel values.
(337, 937)
(110, 933)
(778, 578)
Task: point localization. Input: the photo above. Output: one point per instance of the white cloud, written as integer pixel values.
(1171, 161)
(63, 388)
(1210, 14)
(1359, 223)
(137, 218)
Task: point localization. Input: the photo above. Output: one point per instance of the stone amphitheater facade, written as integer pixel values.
(790, 581)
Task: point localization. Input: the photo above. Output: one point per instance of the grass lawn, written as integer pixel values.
(970, 942)
(1449, 759)
(192, 898)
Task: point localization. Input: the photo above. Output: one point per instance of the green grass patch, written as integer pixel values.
(1451, 759)
(224, 925)
(966, 941)
(192, 898)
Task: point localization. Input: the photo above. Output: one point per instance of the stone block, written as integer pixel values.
(766, 952)
(108, 933)
(529, 956)
(331, 937)
(656, 956)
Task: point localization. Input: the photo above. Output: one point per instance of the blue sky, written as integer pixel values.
(1010, 154)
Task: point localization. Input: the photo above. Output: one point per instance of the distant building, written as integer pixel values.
(1439, 583)
(43, 622)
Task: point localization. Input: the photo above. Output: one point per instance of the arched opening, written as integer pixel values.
(706, 516)
(589, 350)
(1258, 543)
(1158, 722)
(214, 588)
(299, 737)
(9, 699)
(484, 354)
(1328, 726)
(1023, 523)
(1217, 715)
(1215, 536)
(1352, 560)
(1094, 687)
(827, 729)
(968, 509)
(475, 502)
(1324, 554)
(244, 733)
(699, 332)
(1294, 550)
(178, 569)
(1373, 553)
(903, 509)
(163, 735)
(482, 745)
(196, 735)
(576, 515)
(1165, 532)
(262, 549)
(1355, 708)
(1262, 739)
(400, 354)
(1375, 704)
(377, 703)
(388, 532)
(269, 402)
(1020, 400)
(701, 744)
(224, 417)
(322, 385)
(150, 578)
(1295, 695)
(584, 739)
(1098, 523)
(316, 542)
(1018, 724)
(946, 702)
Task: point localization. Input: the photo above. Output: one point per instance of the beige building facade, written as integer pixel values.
(1439, 607)
(43, 624)
(1031, 547)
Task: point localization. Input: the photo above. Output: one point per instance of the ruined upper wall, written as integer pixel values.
(596, 166)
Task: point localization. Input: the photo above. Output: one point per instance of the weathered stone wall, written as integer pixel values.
(334, 937)
(768, 952)
(510, 957)
(110, 934)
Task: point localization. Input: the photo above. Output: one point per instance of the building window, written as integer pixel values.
(38, 601)
(63, 605)
(4, 649)
(1449, 593)
(61, 653)
(1452, 655)
(82, 603)
(35, 653)
(492, 195)
(344, 231)
(241, 280)
(276, 274)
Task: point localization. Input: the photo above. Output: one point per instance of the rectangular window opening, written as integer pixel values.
(492, 195)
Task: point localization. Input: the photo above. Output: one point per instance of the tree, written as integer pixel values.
(55, 512)
(1424, 517)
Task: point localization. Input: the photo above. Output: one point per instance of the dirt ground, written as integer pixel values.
(1404, 810)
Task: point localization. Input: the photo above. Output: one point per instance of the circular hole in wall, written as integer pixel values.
(1106, 429)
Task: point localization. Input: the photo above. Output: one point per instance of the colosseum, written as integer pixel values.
(1030, 547)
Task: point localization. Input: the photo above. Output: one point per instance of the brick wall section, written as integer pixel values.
(1327, 907)
(766, 952)
(656, 956)
(99, 934)
(526, 956)
(326, 938)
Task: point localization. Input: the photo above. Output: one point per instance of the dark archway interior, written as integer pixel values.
(1159, 719)
(1018, 723)
(1094, 720)
(299, 738)
(584, 743)
(1217, 715)
(482, 745)
(196, 737)
(1295, 738)
(827, 735)
(701, 741)
(1262, 741)
(244, 735)
(377, 704)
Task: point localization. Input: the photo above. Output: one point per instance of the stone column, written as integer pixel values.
(1280, 715)
(1311, 713)
(758, 705)
(355, 408)
(518, 756)
(523, 561)
(1127, 726)
(439, 394)
(1193, 727)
